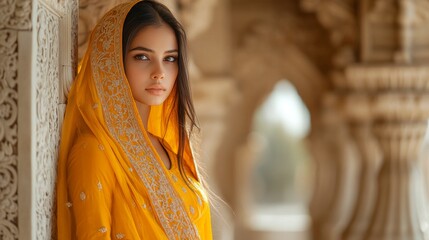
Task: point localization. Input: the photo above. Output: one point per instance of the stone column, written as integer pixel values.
(392, 80)
(401, 212)
(336, 172)
(37, 59)
(15, 24)
(399, 116)
(339, 17)
(370, 159)
(384, 99)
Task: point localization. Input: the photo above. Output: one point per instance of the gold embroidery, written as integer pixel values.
(174, 177)
(82, 196)
(199, 200)
(99, 186)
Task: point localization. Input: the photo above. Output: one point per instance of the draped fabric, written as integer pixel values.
(111, 182)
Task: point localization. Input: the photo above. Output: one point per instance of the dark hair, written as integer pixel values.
(148, 13)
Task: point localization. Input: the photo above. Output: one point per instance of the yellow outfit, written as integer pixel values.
(111, 182)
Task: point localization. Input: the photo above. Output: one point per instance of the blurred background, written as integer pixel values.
(313, 113)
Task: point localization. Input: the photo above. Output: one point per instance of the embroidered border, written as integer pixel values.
(123, 125)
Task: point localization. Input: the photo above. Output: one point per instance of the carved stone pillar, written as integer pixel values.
(370, 159)
(336, 172)
(396, 90)
(211, 97)
(399, 114)
(357, 109)
(339, 17)
(400, 212)
(15, 22)
(37, 55)
(384, 94)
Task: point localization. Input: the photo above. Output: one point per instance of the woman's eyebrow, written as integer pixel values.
(140, 48)
(150, 50)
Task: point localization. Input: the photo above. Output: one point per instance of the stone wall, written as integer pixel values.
(35, 75)
(16, 19)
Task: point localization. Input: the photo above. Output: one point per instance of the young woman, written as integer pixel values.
(126, 170)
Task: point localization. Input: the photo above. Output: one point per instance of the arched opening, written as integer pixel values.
(278, 184)
(280, 125)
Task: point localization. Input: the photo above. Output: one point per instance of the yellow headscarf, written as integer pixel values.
(101, 101)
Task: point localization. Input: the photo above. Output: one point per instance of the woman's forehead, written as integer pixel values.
(155, 37)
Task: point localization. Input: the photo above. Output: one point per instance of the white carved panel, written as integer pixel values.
(55, 34)
(14, 17)
(47, 129)
(8, 135)
(15, 14)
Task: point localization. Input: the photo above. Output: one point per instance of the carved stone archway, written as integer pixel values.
(267, 42)
(266, 51)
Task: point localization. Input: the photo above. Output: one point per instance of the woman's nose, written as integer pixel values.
(158, 76)
(158, 73)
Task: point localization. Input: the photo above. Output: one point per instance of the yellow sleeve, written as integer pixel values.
(90, 181)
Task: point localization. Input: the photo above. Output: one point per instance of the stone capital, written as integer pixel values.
(386, 77)
(389, 106)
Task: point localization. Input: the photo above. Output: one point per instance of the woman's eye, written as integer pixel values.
(170, 59)
(141, 57)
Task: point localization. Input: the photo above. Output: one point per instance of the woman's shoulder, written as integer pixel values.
(86, 137)
(88, 150)
(88, 163)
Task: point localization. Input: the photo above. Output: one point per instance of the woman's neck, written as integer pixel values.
(144, 113)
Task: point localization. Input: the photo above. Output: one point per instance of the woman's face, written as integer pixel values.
(151, 64)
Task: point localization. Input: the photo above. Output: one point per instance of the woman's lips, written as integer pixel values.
(155, 91)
